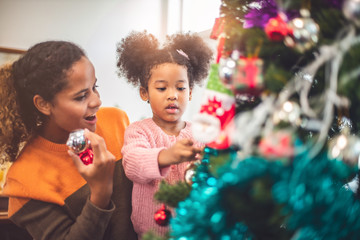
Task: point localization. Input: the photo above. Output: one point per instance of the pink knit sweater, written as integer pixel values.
(143, 142)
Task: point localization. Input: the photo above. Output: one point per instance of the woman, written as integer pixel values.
(45, 95)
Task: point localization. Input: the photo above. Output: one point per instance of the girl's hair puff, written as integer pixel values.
(43, 71)
(139, 53)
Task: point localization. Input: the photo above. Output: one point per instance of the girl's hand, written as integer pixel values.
(182, 151)
(99, 174)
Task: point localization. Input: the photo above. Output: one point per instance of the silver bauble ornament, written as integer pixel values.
(228, 68)
(351, 10)
(345, 147)
(304, 32)
(190, 173)
(77, 141)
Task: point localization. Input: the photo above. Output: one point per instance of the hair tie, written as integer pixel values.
(181, 52)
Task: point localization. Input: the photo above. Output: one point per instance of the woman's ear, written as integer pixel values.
(42, 105)
(144, 94)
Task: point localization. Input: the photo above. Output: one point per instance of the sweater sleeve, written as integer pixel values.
(49, 221)
(140, 160)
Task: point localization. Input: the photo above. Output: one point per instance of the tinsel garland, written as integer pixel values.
(261, 199)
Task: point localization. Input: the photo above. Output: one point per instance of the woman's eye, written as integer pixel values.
(80, 98)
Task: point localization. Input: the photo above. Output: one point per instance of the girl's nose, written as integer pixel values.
(172, 95)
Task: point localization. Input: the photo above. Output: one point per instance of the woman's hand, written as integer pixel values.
(182, 151)
(99, 174)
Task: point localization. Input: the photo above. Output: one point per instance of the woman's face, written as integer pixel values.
(76, 105)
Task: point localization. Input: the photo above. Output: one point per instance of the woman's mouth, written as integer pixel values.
(91, 119)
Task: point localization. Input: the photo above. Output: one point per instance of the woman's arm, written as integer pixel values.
(50, 221)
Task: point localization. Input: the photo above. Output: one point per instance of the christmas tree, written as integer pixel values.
(280, 121)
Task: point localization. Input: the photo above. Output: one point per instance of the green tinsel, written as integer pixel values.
(170, 194)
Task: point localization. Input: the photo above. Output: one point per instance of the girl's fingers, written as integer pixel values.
(186, 142)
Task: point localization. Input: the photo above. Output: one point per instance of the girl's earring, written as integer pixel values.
(148, 101)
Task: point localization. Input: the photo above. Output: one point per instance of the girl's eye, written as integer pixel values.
(161, 89)
(181, 88)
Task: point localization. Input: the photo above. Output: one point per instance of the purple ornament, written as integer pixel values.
(262, 11)
(259, 15)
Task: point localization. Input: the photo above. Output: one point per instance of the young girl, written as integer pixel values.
(45, 95)
(160, 147)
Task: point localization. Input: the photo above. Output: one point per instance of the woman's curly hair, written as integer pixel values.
(42, 70)
(140, 52)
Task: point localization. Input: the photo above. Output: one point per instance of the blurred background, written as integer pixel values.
(97, 26)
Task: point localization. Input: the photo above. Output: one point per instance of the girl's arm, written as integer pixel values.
(140, 157)
(143, 162)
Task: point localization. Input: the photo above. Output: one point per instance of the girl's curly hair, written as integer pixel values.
(41, 70)
(140, 52)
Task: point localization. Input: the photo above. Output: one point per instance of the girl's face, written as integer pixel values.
(75, 106)
(168, 92)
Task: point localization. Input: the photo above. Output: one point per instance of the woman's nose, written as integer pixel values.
(95, 100)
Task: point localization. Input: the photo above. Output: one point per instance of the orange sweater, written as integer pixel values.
(44, 178)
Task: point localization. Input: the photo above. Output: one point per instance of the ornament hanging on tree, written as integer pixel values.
(276, 28)
(277, 145)
(214, 120)
(228, 69)
(217, 33)
(162, 216)
(220, 47)
(351, 10)
(249, 76)
(218, 28)
(190, 173)
(303, 32)
(242, 75)
(345, 147)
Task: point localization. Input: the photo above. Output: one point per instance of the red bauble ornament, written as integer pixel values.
(276, 28)
(162, 216)
(87, 156)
